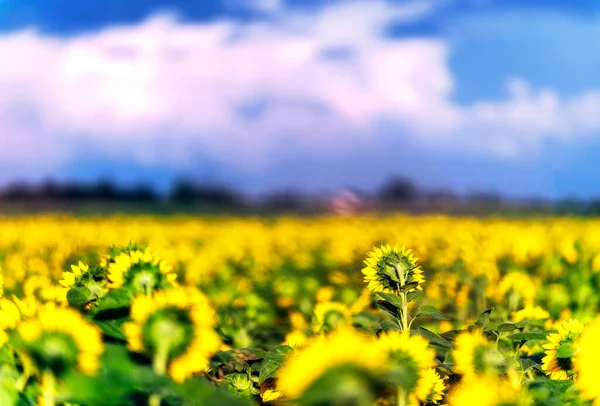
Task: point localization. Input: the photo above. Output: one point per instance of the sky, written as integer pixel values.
(466, 95)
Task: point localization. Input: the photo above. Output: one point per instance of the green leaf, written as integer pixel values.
(390, 298)
(566, 350)
(490, 335)
(274, 361)
(531, 335)
(78, 296)
(445, 367)
(199, 392)
(254, 353)
(409, 286)
(506, 328)
(120, 373)
(451, 334)
(112, 329)
(115, 302)
(431, 313)
(483, 318)
(522, 324)
(388, 325)
(389, 308)
(414, 296)
(432, 337)
(527, 363)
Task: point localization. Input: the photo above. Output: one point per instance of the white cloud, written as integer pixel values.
(162, 89)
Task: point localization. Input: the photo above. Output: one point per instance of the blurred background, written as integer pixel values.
(241, 105)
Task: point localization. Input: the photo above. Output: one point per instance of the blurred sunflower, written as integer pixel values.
(141, 271)
(176, 328)
(530, 312)
(341, 348)
(325, 294)
(488, 391)
(9, 317)
(13, 311)
(409, 359)
(388, 269)
(558, 362)
(586, 361)
(330, 316)
(60, 339)
(474, 355)
(430, 389)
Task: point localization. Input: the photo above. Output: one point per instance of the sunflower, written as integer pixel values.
(530, 312)
(488, 391)
(176, 328)
(10, 314)
(515, 288)
(558, 362)
(388, 269)
(325, 294)
(430, 389)
(410, 356)
(60, 339)
(473, 355)
(141, 271)
(331, 315)
(341, 348)
(81, 275)
(296, 337)
(13, 311)
(9, 317)
(586, 361)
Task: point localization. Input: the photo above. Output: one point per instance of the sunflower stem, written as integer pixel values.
(159, 365)
(403, 320)
(48, 382)
(401, 396)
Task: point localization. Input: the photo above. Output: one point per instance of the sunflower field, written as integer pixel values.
(351, 310)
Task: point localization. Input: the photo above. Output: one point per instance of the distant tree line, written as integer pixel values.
(184, 191)
(395, 193)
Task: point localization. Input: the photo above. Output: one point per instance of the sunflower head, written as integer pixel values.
(561, 347)
(9, 317)
(342, 351)
(329, 316)
(474, 355)
(430, 389)
(116, 250)
(59, 340)
(586, 362)
(389, 269)
(177, 325)
(487, 390)
(83, 276)
(140, 271)
(409, 357)
(530, 312)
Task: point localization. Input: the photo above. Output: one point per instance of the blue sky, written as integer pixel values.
(465, 95)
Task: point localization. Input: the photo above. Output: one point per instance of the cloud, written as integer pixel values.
(162, 90)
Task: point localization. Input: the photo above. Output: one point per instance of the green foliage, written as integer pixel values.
(273, 361)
